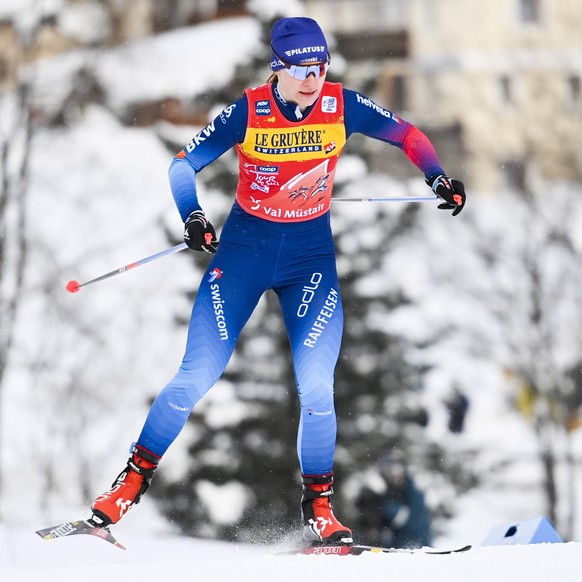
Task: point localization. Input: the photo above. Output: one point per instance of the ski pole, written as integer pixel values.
(389, 199)
(74, 286)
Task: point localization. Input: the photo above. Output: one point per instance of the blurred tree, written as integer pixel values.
(539, 345)
(516, 282)
(16, 136)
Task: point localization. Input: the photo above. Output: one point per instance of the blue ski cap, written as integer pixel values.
(297, 41)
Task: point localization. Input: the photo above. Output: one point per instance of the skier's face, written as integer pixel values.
(303, 92)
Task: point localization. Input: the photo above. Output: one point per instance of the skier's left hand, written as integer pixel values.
(450, 190)
(199, 233)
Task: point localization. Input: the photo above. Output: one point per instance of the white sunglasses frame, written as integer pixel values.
(301, 72)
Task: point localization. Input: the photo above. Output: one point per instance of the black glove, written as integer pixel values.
(199, 234)
(450, 190)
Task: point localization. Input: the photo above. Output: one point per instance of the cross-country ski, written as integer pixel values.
(357, 550)
(83, 527)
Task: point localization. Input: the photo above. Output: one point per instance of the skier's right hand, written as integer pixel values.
(199, 234)
(451, 191)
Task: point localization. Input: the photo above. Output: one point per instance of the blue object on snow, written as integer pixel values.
(537, 530)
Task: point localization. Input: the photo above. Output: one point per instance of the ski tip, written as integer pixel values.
(464, 548)
(44, 536)
(450, 551)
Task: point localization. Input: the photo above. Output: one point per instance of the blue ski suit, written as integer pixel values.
(296, 259)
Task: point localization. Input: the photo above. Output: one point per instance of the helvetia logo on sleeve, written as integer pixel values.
(369, 103)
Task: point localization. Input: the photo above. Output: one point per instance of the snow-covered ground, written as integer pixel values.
(25, 557)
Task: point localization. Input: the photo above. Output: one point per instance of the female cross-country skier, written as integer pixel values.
(288, 135)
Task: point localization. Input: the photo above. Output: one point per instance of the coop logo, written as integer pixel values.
(216, 273)
(263, 107)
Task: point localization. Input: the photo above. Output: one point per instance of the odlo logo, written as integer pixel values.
(309, 294)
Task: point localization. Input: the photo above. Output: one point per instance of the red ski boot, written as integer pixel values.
(320, 525)
(127, 489)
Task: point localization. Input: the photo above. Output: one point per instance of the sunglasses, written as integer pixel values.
(301, 72)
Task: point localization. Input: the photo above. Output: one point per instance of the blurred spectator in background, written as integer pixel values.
(457, 404)
(393, 512)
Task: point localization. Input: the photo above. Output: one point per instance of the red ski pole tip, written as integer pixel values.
(73, 286)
